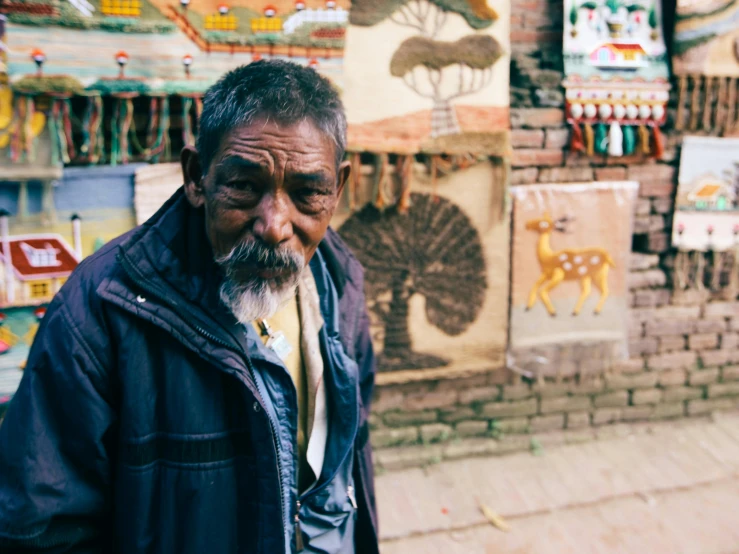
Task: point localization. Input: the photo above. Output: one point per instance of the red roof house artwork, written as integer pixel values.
(33, 268)
(618, 55)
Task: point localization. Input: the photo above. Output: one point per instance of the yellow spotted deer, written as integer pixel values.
(587, 265)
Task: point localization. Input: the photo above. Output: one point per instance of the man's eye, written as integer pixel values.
(308, 193)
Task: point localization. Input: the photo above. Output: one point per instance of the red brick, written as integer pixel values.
(526, 176)
(527, 138)
(712, 325)
(721, 309)
(565, 174)
(711, 358)
(729, 341)
(642, 207)
(537, 118)
(701, 407)
(643, 346)
(636, 413)
(536, 36)
(610, 173)
(671, 344)
(681, 394)
(547, 422)
(670, 327)
(675, 312)
(612, 399)
(606, 415)
(632, 365)
(674, 360)
(646, 396)
(479, 394)
(652, 172)
(557, 138)
(662, 205)
(430, 400)
(528, 157)
(730, 373)
(658, 242)
(703, 341)
(652, 189)
(565, 404)
(673, 377)
(703, 377)
(723, 389)
(387, 399)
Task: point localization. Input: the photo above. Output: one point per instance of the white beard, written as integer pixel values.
(250, 302)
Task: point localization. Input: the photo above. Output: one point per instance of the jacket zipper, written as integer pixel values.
(140, 281)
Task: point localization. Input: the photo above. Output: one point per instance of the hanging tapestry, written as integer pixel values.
(569, 296)
(617, 79)
(705, 227)
(428, 76)
(436, 267)
(133, 72)
(706, 59)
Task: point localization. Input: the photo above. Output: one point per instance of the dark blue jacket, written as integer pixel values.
(137, 426)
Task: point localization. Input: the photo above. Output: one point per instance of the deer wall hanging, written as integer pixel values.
(590, 266)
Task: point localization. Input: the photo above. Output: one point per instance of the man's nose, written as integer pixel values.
(273, 223)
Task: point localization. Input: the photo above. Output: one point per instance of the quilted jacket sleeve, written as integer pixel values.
(54, 465)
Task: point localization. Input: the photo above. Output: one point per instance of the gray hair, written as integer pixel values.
(283, 91)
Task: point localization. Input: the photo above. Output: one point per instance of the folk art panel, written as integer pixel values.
(706, 60)
(617, 79)
(706, 222)
(569, 297)
(436, 268)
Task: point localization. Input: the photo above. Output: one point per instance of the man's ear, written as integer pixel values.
(345, 169)
(193, 174)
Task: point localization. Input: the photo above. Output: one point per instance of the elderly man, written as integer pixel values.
(202, 384)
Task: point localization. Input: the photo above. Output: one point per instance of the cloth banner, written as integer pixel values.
(617, 80)
(84, 74)
(706, 223)
(569, 296)
(436, 271)
(428, 76)
(706, 59)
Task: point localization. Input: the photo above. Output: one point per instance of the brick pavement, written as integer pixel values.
(663, 487)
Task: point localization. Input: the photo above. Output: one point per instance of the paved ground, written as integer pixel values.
(668, 488)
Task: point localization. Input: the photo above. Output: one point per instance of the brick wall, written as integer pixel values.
(685, 360)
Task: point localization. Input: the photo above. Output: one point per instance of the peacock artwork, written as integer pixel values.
(570, 258)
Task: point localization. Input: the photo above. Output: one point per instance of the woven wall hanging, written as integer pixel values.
(616, 76)
(706, 223)
(706, 59)
(436, 271)
(569, 296)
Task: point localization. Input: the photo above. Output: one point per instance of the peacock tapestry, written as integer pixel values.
(569, 296)
(436, 266)
(706, 59)
(617, 79)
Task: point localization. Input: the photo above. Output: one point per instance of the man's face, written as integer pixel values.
(269, 195)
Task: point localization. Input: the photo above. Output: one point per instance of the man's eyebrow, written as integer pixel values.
(238, 163)
(309, 176)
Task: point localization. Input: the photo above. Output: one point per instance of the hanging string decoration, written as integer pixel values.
(705, 59)
(617, 80)
(92, 147)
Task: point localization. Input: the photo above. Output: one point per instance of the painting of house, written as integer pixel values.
(622, 56)
(34, 268)
(711, 193)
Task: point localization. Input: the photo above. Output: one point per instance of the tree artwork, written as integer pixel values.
(433, 250)
(423, 62)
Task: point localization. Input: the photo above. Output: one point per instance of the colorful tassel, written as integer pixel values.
(629, 140)
(355, 179)
(659, 142)
(381, 173)
(615, 140)
(114, 134)
(434, 181)
(682, 92)
(694, 110)
(644, 140)
(601, 138)
(577, 143)
(16, 141)
(187, 134)
(28, 138)
(589, 139)
(54, 134)
(67, 113)
(708, 103)
(406, 170)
